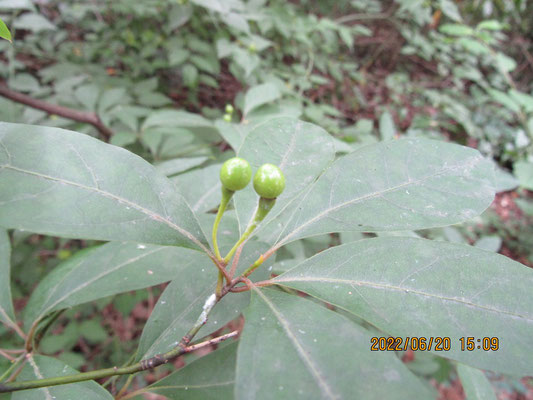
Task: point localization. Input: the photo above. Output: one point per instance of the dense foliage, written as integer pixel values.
(117, 117)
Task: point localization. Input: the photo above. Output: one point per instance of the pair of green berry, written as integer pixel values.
(236, 173)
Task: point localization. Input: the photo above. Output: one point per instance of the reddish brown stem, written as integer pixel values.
(65, 112)
(248, 283)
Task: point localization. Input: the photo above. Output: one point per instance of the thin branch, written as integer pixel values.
(13, 351)
(211, 342)
(191, 348)
(75, 115)
(5, 355)
(240, 289)
(13, 325)
(14, 365)
(142, 365)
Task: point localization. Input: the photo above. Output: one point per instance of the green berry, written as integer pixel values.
(229, 109)
(235, 174)
(269, 181)
(227, 117)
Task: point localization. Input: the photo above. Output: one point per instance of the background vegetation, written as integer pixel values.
(180, 83)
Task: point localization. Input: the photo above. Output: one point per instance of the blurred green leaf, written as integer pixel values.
(258, 95)
(475, 384)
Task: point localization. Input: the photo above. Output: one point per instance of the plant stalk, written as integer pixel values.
(142, 365)
(263, 208)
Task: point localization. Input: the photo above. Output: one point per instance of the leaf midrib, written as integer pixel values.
(306, 359)
(324, 213)
(398, 289)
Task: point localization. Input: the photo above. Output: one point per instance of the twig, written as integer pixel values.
(13, 325)
(210, 342)
(14, 365)
(236, 259)
(142, 365)
(192, 348)
(239, 289)
(75, 115)
(13, 351)
(5, 355)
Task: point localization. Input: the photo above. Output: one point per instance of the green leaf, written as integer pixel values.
(16, 4)
(182, 119)
(178, 165)
(67, 184)
(246, 60)
(39, 367)
(524, 99)
(405, 184)
(474, 46)
(7, 314)
(417, 287)
(236, 21)
(201, 187)
(214, 5)
(300, 149)
(293, 348)
(504, 99)
(258, 95)
(212, 377)
(111, 98)
(504, 180)
(24, 83)
(387, 129)
(505, 63)
(104, 271)
(4, 31)
(490, 25)
(523, 170)
(456, 30)
(33, 22)
(179, 15)
(233, 134)
(177, 56)
(206, 63)
(87, 95)
(449, 9)
(190, 75)
(171, 142)
(475, 384)
(182, 302)
(154, 99)
(489, 243)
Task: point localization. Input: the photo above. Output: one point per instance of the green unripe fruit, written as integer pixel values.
(235, 174)
(269, 181)
(229, 109)
(227, 117)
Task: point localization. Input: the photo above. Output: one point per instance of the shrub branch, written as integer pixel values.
(65, 112)
(143, 365)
